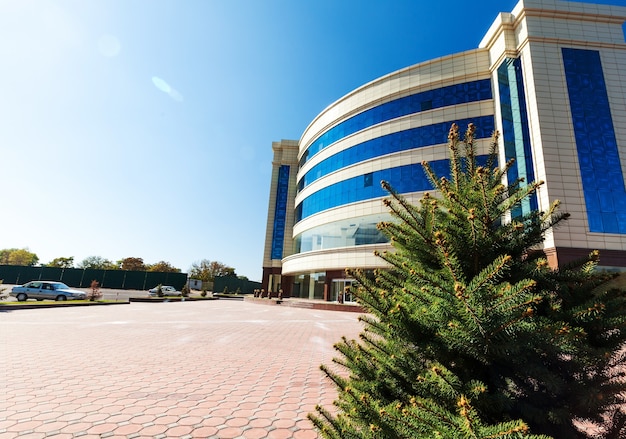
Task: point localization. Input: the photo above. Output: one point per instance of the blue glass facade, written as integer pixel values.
(515, 132)
(280, 215)
(598, 156)
(442, 97)
(395, 142)
(404, 179)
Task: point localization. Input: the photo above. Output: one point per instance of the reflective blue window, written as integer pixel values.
(404, 179)
(438, 98)
(598, 156)
(395, 142)
(280, 212)
(515, 132)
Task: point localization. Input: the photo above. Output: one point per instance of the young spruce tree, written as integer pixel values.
(469, 333)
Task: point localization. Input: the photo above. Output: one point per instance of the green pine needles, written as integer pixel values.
(470, 333)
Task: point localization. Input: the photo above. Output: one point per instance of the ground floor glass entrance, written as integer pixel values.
(340, 291)
(309, 286)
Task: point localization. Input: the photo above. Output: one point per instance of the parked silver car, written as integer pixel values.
(41, 290)
(165, 289)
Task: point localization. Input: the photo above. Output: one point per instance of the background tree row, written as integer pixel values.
(204, 270)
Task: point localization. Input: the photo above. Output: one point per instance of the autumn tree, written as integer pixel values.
(132, 264)
(14, 256)
(61, 262)
(162, 267)
(207, 271)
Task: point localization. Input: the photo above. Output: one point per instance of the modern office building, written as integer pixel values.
(550, 76)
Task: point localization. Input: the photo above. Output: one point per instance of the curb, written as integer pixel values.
(58, 305)
(308, 304)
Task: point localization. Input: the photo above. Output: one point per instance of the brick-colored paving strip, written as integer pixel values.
(219, 369)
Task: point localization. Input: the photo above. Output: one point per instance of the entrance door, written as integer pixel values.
(340, 291)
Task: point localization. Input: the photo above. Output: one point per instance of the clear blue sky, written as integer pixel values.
(143, 128)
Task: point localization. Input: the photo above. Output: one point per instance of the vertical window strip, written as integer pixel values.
(515, 132)
(280, 212)
(596, 144)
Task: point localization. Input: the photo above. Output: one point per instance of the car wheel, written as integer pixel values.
(60, 298)
(22, 297)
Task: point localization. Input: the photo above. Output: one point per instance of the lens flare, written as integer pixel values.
(161, 84)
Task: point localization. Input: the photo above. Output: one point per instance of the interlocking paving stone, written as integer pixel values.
(220, 369)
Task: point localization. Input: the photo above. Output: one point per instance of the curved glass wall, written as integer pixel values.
(346, 233)
(395, 142)
(466, 92)
(404, 179)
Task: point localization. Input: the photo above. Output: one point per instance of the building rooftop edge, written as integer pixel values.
(554, 8)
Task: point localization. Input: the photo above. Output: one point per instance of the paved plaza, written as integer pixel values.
(213, 369)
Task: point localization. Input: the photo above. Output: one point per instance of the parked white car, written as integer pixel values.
(165, 289)
(50, 290)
